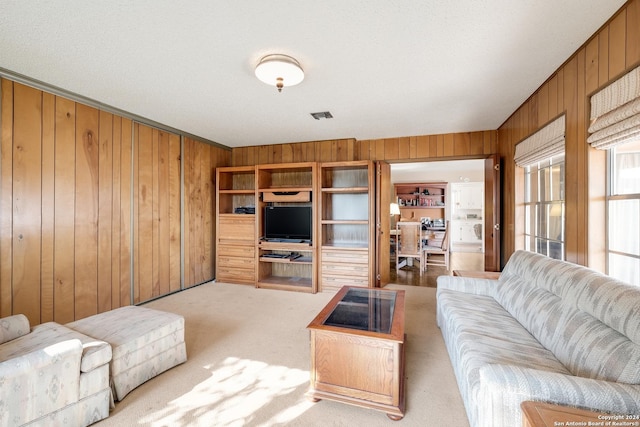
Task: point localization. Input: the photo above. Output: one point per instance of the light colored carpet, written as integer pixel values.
(248, 365)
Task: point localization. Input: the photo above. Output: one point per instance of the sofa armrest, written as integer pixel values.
(12, 327)
(504, 387)
(471, 285)
(41, 382)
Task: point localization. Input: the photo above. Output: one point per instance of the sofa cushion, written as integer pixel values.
(479, 331)
(12, 327)
(536, 309)
(548, 299)
(591, 349)
(131, 330)
(94, 352)
(489, 333)
(609, 300)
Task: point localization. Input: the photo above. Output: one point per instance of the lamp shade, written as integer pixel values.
(279, 71)
(394, 209)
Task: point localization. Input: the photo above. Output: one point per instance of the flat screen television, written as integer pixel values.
(288, 222)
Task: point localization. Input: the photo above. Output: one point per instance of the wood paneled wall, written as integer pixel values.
(156, 220)
(199, 211)
(330, 150)
(65, 207)
(430, 147)
(611, 52)
(415, 148)
(90, 202)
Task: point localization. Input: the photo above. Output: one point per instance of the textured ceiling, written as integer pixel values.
(383, 68)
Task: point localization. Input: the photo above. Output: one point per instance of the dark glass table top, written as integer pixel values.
(364, 309)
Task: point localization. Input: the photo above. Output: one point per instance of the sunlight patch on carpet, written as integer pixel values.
(237, 392)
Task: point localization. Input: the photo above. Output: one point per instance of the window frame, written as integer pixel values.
(611, 196)
(531, 235)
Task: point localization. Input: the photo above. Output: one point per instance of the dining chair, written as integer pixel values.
(428, 252)
(408, 243)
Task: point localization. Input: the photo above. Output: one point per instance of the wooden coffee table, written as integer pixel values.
(540, 414)
(357, 350)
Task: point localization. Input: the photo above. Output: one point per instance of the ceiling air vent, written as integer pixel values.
(322, 115)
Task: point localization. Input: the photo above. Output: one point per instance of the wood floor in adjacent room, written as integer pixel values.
(457, 261)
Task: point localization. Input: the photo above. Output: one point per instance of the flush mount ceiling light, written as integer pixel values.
(279, 70)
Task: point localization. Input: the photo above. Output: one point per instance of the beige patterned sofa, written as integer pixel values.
(51, 375)
(547, 330)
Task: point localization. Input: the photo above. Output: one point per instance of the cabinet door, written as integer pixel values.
(237, 228)
(456, 199)
(468, 232)
(467, 196)
(475, 196)
(456, 231)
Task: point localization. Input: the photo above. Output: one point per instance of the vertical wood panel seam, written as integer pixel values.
(75, 202)
(53, 220)
(97, 214)
(41, 203)
(132, 213)
(2, 285)
(182, 229)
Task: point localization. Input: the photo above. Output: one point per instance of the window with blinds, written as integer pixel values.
(545, 208)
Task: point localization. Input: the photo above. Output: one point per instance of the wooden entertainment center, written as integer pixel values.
(342, 248)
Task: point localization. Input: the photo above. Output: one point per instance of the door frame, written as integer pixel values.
(383, 223)
(492, 199)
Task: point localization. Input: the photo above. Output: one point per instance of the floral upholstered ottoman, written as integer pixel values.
(145, 342)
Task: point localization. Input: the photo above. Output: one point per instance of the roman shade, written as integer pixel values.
(542, 145)
(615, 112)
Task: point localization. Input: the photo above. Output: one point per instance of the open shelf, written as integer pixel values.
(278, 273)
(345, 233)
(289, 184)
(350, 174)
(422, 200)
(347, 245)
(345, 221)
(346, 190)
(298, 284)
(421, 195)
(301, 260)
(235, 188)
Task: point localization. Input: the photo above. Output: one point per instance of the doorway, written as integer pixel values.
(464, 255)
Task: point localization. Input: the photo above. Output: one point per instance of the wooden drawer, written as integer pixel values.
(236, 262)
(330, 282)
(342, 269)
(276, 196)
(338, 256)
(240, 251)
(237, 228)
(235, 275)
